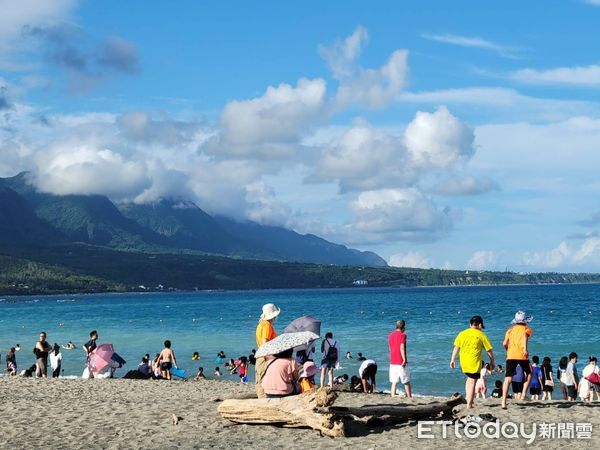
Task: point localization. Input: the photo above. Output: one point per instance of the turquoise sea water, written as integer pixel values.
(566, 318)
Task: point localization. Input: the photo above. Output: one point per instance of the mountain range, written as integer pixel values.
(32, 218)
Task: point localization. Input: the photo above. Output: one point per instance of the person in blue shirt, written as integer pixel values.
(535, 386)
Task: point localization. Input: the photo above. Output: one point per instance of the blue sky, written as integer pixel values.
(439, 134)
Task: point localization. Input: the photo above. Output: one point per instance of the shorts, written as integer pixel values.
(511, 367)
(42, 364)
(535, 391)
(165, 366)
(517, 387)
(328, 363)
(369, 373)
(400, 373)
(473, 375)
(571, 391)
(548, 388)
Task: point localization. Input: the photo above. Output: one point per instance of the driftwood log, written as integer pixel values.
(315, 410)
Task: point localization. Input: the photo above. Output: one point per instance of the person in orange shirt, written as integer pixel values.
(264, 333)
(517, 354)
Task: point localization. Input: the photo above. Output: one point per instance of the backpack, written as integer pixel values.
(332, 353)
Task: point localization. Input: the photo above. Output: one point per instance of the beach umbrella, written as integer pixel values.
(304, 323)
(285, 342)
(101, 357)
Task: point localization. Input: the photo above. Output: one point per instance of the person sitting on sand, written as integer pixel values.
(547, 379)
(281, 375)
(55, 361)
(356, 384)
(69, 346)
(367, 372)
(469, 343)
(516, 343)
(480, 385)
(341, 379)
(200, 375)
(218, 372)
(28, 373)
(195, 356)
(264, 333)
(307, 376)
(11, 362)
(360, 357)
(167, 360)
(145, 367)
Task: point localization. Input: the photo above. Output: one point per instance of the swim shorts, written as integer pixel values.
(398, 372)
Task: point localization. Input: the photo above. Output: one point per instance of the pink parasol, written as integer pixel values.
(101, 357)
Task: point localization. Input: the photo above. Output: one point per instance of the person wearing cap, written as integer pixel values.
(469, 343)
(398, 360)
(264, 333)
(517, 354)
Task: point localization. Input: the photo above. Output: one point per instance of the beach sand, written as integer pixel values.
(114, 414)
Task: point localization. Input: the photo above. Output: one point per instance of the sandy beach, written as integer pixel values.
(115, 414)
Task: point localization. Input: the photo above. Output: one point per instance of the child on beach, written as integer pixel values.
(218, 372)
(11, 362)
(547, 379)
(200, 375)
(517, 383)
(480, 386)
(497, 393)
(535, 387)
(341, 379)
(307, 376)
(55, 360)
(166, 360)
(243, 368)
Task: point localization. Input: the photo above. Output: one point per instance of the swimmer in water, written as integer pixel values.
(195, 356)
(69, 346)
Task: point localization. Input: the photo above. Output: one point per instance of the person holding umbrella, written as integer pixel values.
(264, 333)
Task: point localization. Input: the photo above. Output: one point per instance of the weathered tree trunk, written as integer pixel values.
(315, 410)
(293, 412)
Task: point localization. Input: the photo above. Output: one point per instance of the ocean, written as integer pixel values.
(565, 320)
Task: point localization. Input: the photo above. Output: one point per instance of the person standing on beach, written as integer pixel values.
(55, 361)
(166, 360)
(264, 333)
(547, 379)
(570, 378)
(469, 343)
(331, 357)
(398, 359)
(89, 347)
(516, 343)
(41, 350)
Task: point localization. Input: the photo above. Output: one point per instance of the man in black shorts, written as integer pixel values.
(367, 372)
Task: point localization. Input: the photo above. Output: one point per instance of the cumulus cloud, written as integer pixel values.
(587, 255)
(474, 42)
(366, 158)
(410, 259)
(549, 259)
(482, 260)
(398, 214)
(341, 56)
(270, 125)
(574, 76)
(263, 207)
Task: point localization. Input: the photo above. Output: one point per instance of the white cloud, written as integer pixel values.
(375, 88)
(398, 214)
(271, 125)
(466, 185)
(589, 252)
(548, 259)
(574, 76)
(342, 55)
(592, 2)
(410, 259)
(438, 140)
(474, 42)
(264, 208)
(482, 260)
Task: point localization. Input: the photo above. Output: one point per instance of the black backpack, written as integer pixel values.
(332, 353)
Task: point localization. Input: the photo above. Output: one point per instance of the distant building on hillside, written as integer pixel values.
(360, 282)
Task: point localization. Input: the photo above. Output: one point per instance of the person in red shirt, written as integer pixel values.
(398, 359)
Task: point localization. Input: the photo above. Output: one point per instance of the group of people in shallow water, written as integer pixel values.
(521, 372)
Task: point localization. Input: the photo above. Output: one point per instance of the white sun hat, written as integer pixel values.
(269, 311)
(522, 317)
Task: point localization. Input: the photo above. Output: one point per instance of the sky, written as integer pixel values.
(459, 135)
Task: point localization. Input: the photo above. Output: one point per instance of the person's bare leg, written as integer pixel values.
(408, 390)
(323, 370)
(330, 378)
(469, 391)
(394, 384)
(525, 386)
(505, 387)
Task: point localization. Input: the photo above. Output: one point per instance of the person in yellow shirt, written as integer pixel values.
(469, 343)
(264, 333)
(515, 342)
